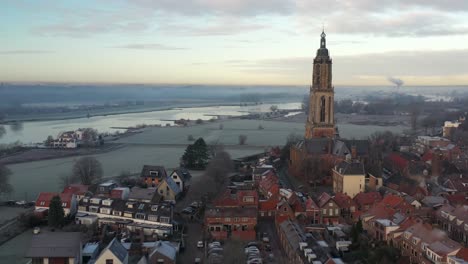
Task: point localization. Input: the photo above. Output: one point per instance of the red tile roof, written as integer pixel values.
(269, 185)
(363, 199)
(343, 201)
(463, 254)
(234, 198)
(310, 205)
(323, 199)
(78, 189)
(398, 161)
(44, 198)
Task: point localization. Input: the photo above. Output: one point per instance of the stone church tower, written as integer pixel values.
(320, 121)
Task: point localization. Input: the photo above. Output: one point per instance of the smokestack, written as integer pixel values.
(354, 152)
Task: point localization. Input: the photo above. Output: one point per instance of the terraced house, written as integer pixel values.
(454, 220)
(152, 219)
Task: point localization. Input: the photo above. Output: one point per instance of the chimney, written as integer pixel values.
(353, 152)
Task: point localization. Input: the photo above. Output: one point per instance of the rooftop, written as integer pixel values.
(55, 244)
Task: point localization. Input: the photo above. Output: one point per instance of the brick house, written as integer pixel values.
(236, 222)
(290, 236)
(237, 198)
(152, 175)
(346, 204)
(330, 211)
(454, 220)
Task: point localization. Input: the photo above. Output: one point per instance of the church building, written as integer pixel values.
(321, 139)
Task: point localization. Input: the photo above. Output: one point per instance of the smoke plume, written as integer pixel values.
(396, 81)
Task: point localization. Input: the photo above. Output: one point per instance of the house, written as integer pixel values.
(425, 244)
(163, 253)
(349, 177)
(147, 195)
(330, 211)
(292, 238)
(152, 175)
(79, 190)
(120, 193)
(168, 189)
(454, 220)
(90, 252)
(267, 207)
(365, 200)
(67, 139)
(55, 247)
(105, 188)
(155, 220)
(284, 211)
(237, 198)
(69, 202)
(235, 222)
(182, 178)
(346, 204)
(460, 258)
(114, 253)
(431, 201)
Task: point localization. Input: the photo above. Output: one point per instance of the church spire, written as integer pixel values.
(323, 41)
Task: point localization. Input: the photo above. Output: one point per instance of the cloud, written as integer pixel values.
(24, 52)
(414, 65)
(149, 46)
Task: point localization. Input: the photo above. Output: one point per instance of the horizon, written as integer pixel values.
(233, 42)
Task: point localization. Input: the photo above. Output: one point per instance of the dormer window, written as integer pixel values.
(42, 203)
(154, 173)
(64, 204)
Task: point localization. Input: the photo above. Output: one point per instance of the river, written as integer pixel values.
(37, 131)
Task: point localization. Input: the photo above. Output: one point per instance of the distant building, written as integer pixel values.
(449, 127)
(182, 178)
(55, 247)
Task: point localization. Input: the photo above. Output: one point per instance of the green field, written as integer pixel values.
(165, 146)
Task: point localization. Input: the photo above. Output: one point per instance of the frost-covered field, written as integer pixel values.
(165, 146)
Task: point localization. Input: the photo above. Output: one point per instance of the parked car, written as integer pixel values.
(36, 230)
(200, 244)
(268, 248)
(197, 260)
(188, 210)
(266, 240)
(214, 244)
(195, 204)
(21, 203)
(216, 250)
(252, 250)
(253, 243)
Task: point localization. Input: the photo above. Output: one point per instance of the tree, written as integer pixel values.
(273, 108)
(291, 140)
(5, 186)
(56, 213)
(49, 140)
(190, 138)
(89, 137)
(199, 121)
(196, 156)
(219, 168)
(87, 170)
(242, 139)
(312, 169)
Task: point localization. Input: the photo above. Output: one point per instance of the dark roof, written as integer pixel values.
(117, 249)
(316, 145)
(362, 146)
(231, 212)
(159, 209)
(183, 173)
(55, 244)
(350, 168)
(145, 172)
(140, 194)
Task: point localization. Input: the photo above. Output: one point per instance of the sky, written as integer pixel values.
(238, 42)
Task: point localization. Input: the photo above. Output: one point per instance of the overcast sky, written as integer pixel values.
(423, 42)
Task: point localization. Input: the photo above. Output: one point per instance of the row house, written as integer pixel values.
(456, 184)
(454, 220)
(151, 219)
(236, 222)
(79, 190)
(346, 204)
(269, 197)
(237, 198)
(68, 200)
(460, 258)
(330, 211)
(292, 238)
(424, 244)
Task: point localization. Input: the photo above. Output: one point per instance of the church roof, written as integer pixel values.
(316, 145)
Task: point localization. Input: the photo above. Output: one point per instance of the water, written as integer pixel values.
(37, 131)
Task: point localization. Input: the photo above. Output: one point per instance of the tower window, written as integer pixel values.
(322, 109)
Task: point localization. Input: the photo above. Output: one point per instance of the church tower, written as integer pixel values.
(320, 121)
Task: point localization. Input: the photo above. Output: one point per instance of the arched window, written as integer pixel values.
(322, 109)
(329, 110)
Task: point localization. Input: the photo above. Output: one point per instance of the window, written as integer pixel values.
(109, 261)
(174, 177)
(248, 199)
(105, 211)
(42, 203)
(127, 214)
(93, 209)
(140, 216)
(336, 212)
(117, 213)
(153, 218)
(141, 206)
(324, 211)
(245, 219)
(228, 219)
(154, 173)
(154, 208)
(37, 261)
(160, 261)
(165, 219)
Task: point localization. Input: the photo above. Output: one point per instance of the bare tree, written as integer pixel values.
(273, 108)
(215, 147)
(90, 135)
(190, 138)
(242, 139)
(88, 170)
(5, 186)
(219, 168)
